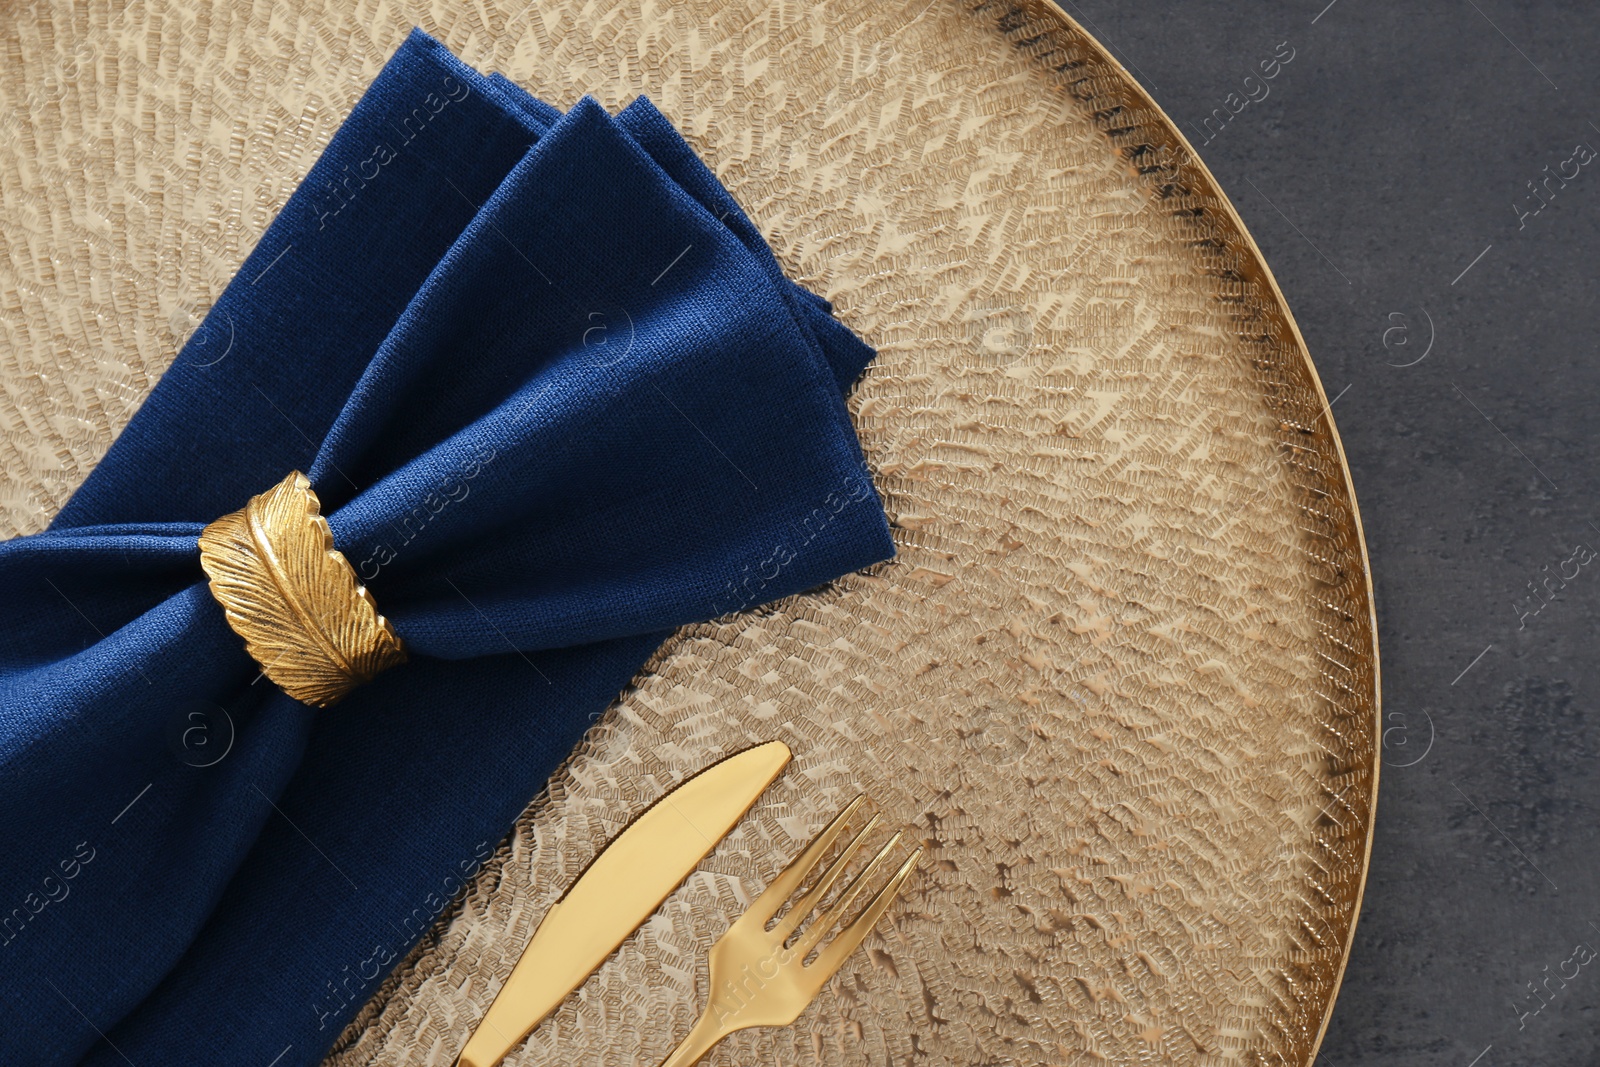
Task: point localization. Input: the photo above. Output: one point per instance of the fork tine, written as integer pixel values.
(830, 959)
(841, 907)
(808, 903)
(783, 887)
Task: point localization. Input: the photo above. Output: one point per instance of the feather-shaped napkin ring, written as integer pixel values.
(305, 618)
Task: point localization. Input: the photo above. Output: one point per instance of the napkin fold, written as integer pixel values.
(557, 399)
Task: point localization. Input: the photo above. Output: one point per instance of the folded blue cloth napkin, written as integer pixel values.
(557, 399)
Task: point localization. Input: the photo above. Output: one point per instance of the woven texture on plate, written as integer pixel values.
(1121, 679)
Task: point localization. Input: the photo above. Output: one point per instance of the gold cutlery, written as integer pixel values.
(760, 976)
(619, 890)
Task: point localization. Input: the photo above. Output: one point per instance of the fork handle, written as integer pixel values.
(697, 1042)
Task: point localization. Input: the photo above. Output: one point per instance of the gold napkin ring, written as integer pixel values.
(305, 618)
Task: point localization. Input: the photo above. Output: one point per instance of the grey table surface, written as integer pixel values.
(1451, 308)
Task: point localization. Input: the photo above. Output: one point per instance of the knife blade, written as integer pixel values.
(621, 888)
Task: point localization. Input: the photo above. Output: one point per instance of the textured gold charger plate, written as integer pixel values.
(1122, 679)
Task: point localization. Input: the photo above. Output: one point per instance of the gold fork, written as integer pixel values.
(759, 976)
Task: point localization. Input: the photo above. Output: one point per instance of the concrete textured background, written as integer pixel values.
(1385, 173)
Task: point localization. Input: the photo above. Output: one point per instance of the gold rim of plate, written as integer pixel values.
(1258, 260)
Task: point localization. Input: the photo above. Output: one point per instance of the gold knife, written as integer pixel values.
(619, 890)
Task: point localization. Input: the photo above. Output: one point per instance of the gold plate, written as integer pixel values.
(1121, 682)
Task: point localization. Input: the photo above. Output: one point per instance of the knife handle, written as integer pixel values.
(489, 1043)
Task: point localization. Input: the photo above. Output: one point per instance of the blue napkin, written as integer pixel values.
(557, 399)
